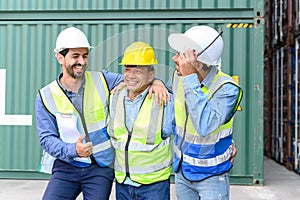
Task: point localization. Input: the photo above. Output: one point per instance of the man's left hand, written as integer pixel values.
(234, 152)
(118, 88)
(162, 95)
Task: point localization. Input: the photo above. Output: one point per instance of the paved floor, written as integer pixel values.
(279, 184)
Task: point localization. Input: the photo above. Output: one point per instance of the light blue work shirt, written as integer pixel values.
(132, 108)
(47, 125)
(207, 116)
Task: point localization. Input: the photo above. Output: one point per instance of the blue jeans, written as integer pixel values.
(68, 181)
(155, 191)
(212, 188)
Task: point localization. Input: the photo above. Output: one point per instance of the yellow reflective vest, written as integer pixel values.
(141, 153)
(92, 122)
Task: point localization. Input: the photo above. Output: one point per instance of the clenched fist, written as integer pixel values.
(83, 149)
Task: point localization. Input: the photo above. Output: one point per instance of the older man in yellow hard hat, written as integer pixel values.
(140, 131)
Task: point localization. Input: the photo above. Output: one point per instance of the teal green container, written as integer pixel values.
(28, 32)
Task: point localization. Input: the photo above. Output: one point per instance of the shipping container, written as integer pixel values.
(281, 96)
(28, 32)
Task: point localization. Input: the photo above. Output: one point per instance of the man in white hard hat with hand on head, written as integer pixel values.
(206, 100)
(71, 118)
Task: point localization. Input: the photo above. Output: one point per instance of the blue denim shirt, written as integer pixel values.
(47, 125)
(206, 115)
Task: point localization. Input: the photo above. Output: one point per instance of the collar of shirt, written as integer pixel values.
(139, 97)
(70, 93)
(133, 107)
(75, 98)
(210, 77)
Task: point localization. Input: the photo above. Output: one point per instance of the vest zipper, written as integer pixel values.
(126, 154)
(127, 143)
(83, 119)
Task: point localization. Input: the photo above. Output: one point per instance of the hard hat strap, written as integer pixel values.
(64, 52)
(201, 52)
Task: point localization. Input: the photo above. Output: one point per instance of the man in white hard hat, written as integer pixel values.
(140, 131)
(206, 100)
(71, 118)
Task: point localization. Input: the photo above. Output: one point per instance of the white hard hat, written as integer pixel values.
(71, 38)
(205, 40)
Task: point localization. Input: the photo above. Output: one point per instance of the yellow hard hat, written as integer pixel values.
(139, 53)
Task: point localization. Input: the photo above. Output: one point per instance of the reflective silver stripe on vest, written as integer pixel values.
(100, 86)
(220, 81)
(205, 162)
(49, 99)
(102, 146)
(209, 139)
(96, 126)
(97, 77)
(153, 123)
(144, 169)
(139, 147)
(114, 99)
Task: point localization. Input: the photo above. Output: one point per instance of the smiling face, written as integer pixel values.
(137, 79)
(75, 62)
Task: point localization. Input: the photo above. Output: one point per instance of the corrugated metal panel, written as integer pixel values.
(120, 4)
(295, 114)
(296, 106)
(29, 63)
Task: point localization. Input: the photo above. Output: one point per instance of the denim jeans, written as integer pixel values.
(68, 181)
(212, 188)
(155, 191)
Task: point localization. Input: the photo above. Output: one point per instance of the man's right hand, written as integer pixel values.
(186, 63)
(83, 149)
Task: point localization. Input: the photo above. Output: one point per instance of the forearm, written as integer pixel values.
(206, 115)
(169, 119)
(59, 149)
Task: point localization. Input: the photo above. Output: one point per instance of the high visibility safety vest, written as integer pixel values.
(93, 121)
(201, 157)
(141, 154)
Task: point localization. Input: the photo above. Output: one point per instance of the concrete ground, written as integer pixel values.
(279, 183)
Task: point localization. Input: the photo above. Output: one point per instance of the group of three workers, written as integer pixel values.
(140, 132)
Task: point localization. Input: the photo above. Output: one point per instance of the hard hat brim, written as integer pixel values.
(60, 49)
(180, 43)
